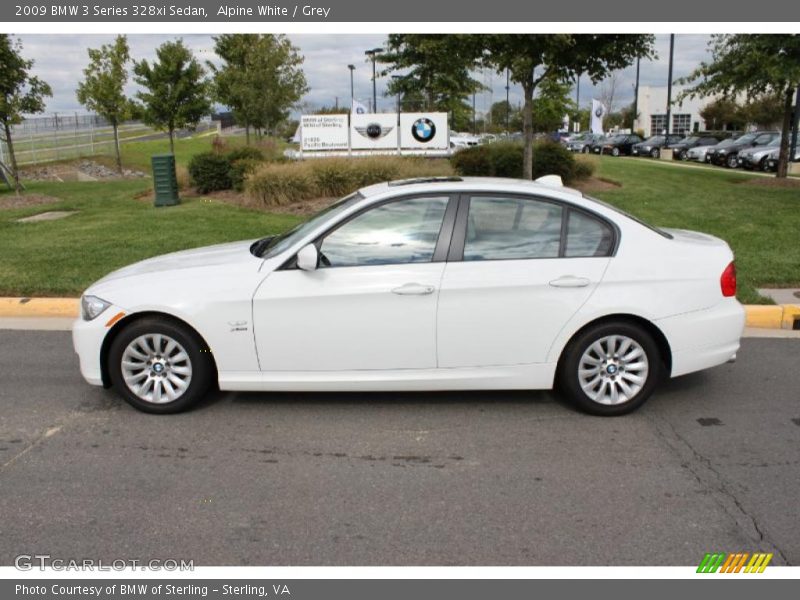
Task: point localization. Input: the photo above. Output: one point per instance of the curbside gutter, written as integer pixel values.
(763, 316)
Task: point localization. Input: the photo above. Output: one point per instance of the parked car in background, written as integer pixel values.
(617, 145)
(583, 142)
(459, 141)
(652, 146)
(772, 158)
(756, 157)
(680, 151)
(728, 155)
(711, 150)
(424, 284)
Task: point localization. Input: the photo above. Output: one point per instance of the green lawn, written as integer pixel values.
(112, 228)
(761, 224)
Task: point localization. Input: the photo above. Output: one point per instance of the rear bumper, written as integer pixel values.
(704, 338)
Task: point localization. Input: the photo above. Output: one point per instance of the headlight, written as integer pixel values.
(92, 306)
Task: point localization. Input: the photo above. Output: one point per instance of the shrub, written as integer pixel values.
(245, 152)
(278, 184)
(240, 169)
(583, 169)
(334, 177)
(504, 159)
(210, 172)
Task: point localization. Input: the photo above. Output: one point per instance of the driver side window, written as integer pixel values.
(398, 232)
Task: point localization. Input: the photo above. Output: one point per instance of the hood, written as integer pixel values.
(219, 254)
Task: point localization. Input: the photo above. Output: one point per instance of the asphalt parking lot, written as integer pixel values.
(711, 463)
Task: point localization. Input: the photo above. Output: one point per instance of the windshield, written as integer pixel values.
(656, 139)
(617, 139)
(279, 243)
(766, 138)
(690, 140)
(726, 143)
(746, 139)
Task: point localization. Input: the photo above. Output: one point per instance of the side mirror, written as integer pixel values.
(308, 258)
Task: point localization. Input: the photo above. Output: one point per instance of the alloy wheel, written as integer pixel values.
(156, 368)
(613, 369)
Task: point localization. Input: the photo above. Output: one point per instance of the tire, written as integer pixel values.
(655, 152)
(585, 150)
(615, 152)
(683, 155)
(764, 165)
(584, 349)
(186, 368)
(732, 161)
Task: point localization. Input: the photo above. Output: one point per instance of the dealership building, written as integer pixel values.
(652, 109)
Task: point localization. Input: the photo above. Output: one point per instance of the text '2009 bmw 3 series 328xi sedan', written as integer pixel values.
(428, 284)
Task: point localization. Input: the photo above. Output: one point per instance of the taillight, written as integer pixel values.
(728, 281)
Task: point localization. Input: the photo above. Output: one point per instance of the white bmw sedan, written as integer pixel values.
(427, 284)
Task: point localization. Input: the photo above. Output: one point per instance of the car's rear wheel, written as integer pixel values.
(610, 369)
(764, 165)
(655, 153)
(159, 366)
(733, 161)
(585, 150)
(615, 152)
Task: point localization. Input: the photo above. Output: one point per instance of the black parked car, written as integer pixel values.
(728, 155)
(583, 142)
(652, 146)
(617, 145)
(680, 151)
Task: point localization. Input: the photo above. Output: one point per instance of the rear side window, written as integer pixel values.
(587, 236)
(512, 228)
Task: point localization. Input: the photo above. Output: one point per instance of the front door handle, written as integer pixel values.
(570, 281)
(413, 289)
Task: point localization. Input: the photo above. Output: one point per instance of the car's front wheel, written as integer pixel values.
(655, 153)
(159, 366)
(610, 369)
(732, 161)
(615, 152)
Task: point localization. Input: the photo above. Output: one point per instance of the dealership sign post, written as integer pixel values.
(413, 134)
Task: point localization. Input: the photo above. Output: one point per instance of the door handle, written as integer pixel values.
(413, 289)
(570, 281)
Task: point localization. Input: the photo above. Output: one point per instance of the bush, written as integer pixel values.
(210, 172)
(278, 184)
(504, 159)
(240, 169)
(334, 177)
(245, 152)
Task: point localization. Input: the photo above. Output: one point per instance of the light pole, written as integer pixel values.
(397, 78)
(669, 82)
(508, 104)
(352, 94)
(373, 54)
(474, 126)
(635, 97)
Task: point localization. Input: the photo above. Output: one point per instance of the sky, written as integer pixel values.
(60, 59)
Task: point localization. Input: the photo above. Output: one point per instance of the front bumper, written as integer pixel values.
(87, 340)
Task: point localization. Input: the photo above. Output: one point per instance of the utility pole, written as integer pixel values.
(336, 103)
(373, 54)
(352, 93)
(636, 97)
(795, 126)
(669, 82)
(508, 104)
(578, 99)
(474, 125)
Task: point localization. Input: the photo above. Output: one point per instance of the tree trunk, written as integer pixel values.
(116, 146)
(783, 157)
(527, 128)
(247, 133)
(172, 140)
(13, 157)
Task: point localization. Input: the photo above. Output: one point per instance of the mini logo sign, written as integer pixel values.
(374, 131)
(423, 130)
(734, 562)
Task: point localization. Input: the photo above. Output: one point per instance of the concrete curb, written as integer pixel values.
(762, 316)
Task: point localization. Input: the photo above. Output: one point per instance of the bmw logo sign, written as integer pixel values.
(374, 131)
(598, 112)
(423, 130)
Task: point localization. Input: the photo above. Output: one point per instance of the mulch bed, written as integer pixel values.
(774, 182)
(595, 184)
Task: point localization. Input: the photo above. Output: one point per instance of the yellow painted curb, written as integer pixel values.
(764, 316)
(39, 307)
(791, 314)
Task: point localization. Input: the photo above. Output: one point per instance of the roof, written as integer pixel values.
(548, 184)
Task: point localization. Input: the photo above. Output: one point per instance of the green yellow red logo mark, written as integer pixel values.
(734, 562)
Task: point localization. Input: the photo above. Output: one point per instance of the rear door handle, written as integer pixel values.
(413, 289)
(570, 281)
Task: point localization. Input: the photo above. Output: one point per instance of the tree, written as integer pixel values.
(764, 111)
(20, 93)
(552, 103)
(608, 92)
(176, 93)
(103, 88)
(722, 114)
(434, 69)
(753, 64)
(532, 58)
(503, 110)
(260, 79)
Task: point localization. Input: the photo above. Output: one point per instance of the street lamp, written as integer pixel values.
(397, 78)
(508, 104)
(352, 95)
(373, 54)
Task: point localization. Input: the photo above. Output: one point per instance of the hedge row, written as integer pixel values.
(505, 159)
(211, 171)
(283, 183)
